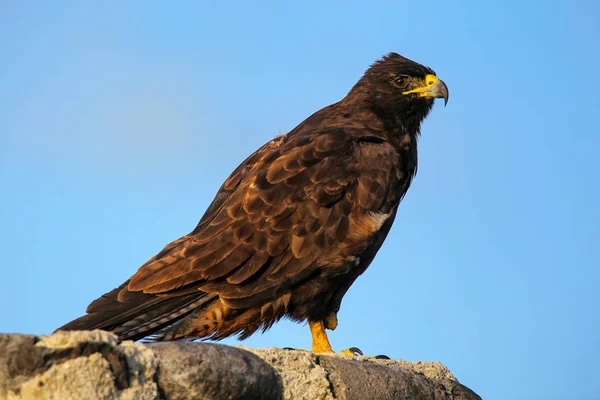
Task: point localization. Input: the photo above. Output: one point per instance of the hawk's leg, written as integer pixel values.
(320, 341)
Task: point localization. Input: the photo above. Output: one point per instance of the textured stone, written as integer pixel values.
(308, 376)
(96, 365)
(83, 378)
(361, 378)
(212, 371)
(76, 365)
(302, 377)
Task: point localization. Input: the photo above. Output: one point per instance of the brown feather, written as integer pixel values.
(249, 268)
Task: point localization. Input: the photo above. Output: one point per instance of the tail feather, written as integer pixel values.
(155, 321)
(135, 315)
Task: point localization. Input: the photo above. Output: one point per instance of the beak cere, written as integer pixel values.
(434, 88)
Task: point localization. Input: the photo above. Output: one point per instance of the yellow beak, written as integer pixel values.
(433, 87)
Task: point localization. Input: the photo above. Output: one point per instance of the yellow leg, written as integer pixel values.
(320, 342)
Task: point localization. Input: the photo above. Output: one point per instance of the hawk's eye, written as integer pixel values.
(400, 81)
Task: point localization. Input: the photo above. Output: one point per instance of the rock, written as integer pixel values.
(191, 370)
(96, 365)
(308, 376)
(353, 379)
(301, 375)
(76, 365)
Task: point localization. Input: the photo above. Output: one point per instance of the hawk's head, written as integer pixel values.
(401, 88)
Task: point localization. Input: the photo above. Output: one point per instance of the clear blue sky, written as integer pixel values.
(119, 122)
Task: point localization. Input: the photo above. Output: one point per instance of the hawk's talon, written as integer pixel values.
(320, 342)
(381, 357)
(352, 351)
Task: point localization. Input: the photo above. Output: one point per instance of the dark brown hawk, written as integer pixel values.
(292, 227)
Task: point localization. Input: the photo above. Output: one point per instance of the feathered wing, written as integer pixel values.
(295, 207)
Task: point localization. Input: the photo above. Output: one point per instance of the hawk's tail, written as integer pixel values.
(135, 315)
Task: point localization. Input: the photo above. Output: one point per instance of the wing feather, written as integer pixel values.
(279, 219)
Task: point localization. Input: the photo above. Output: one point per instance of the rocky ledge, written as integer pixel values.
(96, 365)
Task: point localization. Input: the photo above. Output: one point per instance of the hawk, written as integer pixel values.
(291, 228)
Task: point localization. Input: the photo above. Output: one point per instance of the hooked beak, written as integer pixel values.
(433, 87)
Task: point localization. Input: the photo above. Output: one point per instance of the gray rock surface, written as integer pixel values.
(301, 375)
(96, 365)
(76, 365)
(191, 370)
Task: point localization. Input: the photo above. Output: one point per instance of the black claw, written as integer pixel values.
(382, 357)
(356, 350)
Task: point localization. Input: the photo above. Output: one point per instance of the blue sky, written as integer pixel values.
(118, 123)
